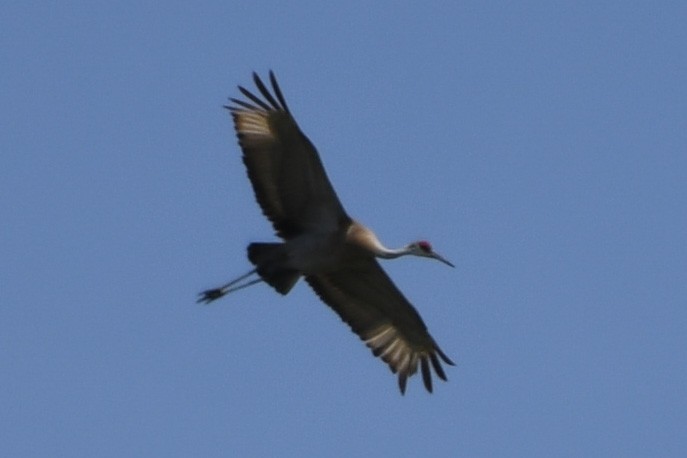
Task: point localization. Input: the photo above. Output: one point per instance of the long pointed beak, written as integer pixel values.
(439, 257)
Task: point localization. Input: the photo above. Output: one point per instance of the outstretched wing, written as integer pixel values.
(288, 178)
(364, 296)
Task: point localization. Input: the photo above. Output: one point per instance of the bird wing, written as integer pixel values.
(288, 178)
(364, 296)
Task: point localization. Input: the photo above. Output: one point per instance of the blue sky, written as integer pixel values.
(540, 146)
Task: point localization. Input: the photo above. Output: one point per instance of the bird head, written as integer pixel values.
(424, 248)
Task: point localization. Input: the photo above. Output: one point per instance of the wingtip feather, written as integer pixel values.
(437, 366)
(443, 356)
(402, 381)
(426, 374)
(277, 92)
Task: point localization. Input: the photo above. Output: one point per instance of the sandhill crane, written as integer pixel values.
(334, 253)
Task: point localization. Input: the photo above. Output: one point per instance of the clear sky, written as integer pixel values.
(540, 146)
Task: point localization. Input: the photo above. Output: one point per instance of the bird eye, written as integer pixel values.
(425, 246)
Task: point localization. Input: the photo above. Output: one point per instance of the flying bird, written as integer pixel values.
(336, 254)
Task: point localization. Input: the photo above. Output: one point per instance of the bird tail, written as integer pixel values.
(270, 261)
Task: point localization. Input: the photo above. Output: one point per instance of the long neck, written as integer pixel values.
(390, 253)
(366, 239)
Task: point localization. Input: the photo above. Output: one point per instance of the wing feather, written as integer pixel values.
(288, 178)
(366, 299)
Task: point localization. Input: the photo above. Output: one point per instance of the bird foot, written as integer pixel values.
(210, 295)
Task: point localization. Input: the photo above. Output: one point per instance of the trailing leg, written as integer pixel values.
(215, 293)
